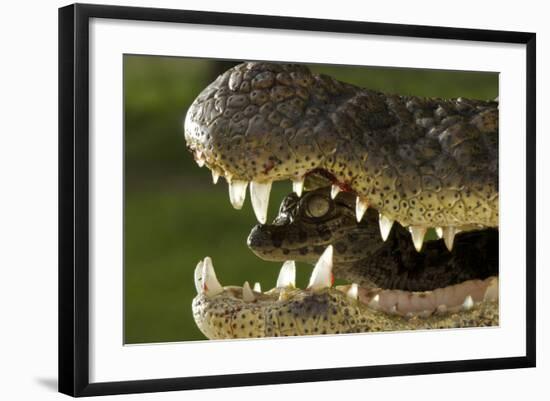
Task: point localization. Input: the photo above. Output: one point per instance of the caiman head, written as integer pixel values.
(306, 225)
(424, 163)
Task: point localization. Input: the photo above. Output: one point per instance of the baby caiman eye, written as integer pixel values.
(317, 206)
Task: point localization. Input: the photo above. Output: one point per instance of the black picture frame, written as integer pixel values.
(74, 198)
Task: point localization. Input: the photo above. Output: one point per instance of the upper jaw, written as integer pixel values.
(260, 195)
(248, 165)
(245, 128)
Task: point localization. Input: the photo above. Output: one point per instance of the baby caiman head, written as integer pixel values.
(305, 226)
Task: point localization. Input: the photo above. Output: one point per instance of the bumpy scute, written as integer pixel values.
(420, 161)
(305, 312)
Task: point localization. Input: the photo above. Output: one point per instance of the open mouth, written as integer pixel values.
(359, 162)
(463, 291)
(245, 312)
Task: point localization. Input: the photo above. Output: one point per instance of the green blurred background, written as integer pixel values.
(175, 216)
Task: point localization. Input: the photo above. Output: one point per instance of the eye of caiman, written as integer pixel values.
(317, 207)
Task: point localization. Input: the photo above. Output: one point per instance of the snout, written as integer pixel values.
(257, 237)
(268, 242)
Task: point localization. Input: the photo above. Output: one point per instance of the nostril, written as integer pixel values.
(256, 236)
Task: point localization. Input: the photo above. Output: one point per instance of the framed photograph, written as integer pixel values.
(365, 161)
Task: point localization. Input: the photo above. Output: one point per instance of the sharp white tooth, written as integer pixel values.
(353, 291)
(237, 193)
(248, 295)
(385, 226)
(198, 158)
(334, 190)
(417, 233)
(449, 237)
(361, 207)
(439, 232)
(257, 287)
(210, 284)
(287, 275)
(259, 195)
(298, 186)
(468, 303)
(321, 276)
(215, 176)
(375, 302)
(198, 277)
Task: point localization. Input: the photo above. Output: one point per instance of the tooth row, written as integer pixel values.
(259, 193)
(419, 232)
(449, 299)
(207, 283)
(453, 298)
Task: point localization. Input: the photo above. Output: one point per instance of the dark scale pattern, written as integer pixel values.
(429, 162)
(326, 311)
(360, 254)
(419, 161)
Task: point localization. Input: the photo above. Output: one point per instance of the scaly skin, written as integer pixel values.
(422, 162)
(305, 226)
(302, 231)
(305, 312)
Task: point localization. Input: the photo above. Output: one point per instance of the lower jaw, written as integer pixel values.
(294, 312)
(289, 311)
